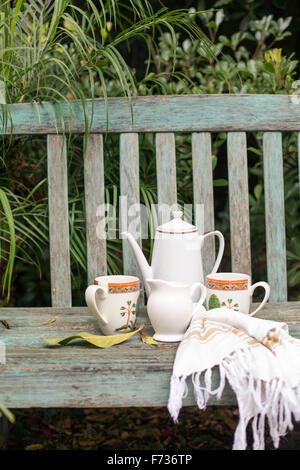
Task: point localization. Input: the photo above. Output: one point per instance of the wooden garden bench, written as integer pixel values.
(134, 373)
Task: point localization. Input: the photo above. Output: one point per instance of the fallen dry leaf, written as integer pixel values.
(52, 320)
(6, 324)
(96, 340)
(148, 339)
(34, 447)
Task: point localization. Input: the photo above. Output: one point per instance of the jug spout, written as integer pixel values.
(157, 284)
(146, 270)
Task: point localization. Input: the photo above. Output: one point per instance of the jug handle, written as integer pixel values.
(90, 298)
(221, 248)
(202, 295)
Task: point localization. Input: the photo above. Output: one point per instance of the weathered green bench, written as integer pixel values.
(134, 373)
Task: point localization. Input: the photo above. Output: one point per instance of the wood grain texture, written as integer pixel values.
(166, 175)
(203, 194)
(59, 221)
(94, 207)
(130, 190)
(275, 215)
(80, 375)
(185, 113)
(239, 202)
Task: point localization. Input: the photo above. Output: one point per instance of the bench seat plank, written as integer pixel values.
(80, 375)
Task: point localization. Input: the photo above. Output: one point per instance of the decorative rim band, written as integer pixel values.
(227, 285)
(121, 288)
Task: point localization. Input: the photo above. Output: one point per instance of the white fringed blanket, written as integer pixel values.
(260, 360)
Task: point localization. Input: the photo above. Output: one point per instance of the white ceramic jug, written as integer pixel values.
(170, 307)
(176, 253)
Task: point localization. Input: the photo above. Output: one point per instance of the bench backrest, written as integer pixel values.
(163, 115)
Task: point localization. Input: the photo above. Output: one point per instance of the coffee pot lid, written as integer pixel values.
(177, 225)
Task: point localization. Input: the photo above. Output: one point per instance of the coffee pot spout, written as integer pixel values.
(146, 270)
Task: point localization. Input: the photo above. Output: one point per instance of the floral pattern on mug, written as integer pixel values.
(129, 310)
(228, 303)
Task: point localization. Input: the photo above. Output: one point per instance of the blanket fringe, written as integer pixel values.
(257, 399)
(178, 391)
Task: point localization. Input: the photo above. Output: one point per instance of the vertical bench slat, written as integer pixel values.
(239, 202)
(59, 221)
(275, 215)
(95, 200)
(166, 172)
(203, 194)
(130, 188)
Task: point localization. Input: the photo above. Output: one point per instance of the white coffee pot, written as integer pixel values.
(176, 253)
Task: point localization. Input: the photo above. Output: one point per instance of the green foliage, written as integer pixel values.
(7, 226)
(243, 63)
(7, 413)
(55, 50)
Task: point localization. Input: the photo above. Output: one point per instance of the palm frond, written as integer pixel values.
(8, 221)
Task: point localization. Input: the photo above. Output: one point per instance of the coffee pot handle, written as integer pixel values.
(90, 298)
(221, 248)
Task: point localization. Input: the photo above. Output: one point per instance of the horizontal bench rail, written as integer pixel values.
(183, 113)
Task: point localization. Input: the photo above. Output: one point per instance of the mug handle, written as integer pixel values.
(266, 286)
(90, 298)
(221, 248)
(202, 295)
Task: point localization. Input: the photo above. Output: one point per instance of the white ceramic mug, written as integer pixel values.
(113, 301)
(234, 291)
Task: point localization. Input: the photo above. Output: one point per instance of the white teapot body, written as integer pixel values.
(178, 259)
